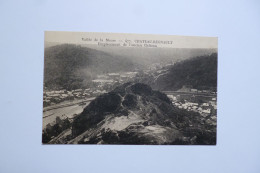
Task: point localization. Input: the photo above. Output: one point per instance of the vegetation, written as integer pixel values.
(154, 107)
(71, 66)
(199, 72)
(54, 130)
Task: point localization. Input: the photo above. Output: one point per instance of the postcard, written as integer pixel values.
(129, 89)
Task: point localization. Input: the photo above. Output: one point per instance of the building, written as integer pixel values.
(185, 88)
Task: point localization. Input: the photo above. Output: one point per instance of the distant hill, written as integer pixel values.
(71, 66)
(148, 56)
(199, 72)
(133, 113)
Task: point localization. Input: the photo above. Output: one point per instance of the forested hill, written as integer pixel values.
(69, 66)
(199, 72)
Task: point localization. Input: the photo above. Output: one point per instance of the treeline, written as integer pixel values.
(199, 72)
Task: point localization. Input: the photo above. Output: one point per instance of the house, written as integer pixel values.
(194, 107)
(206, 111)
(185, 88)
(205, 104)
(172, 97)
(78, 90)
(193, 90)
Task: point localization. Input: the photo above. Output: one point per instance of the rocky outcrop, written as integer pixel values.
(133, 113)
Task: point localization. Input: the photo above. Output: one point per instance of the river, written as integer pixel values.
(49, 116)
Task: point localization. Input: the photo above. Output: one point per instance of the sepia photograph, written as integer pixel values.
(130, 86)
(129, 89)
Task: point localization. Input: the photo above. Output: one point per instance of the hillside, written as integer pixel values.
(199, 72)
(133, 113)
(71, 66)
(148, 56)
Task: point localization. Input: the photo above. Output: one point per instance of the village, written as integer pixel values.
(203, 102)
(102, 84)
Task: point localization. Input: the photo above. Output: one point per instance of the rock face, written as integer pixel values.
(134, 114)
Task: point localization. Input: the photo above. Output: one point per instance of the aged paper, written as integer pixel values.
(111, 88)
